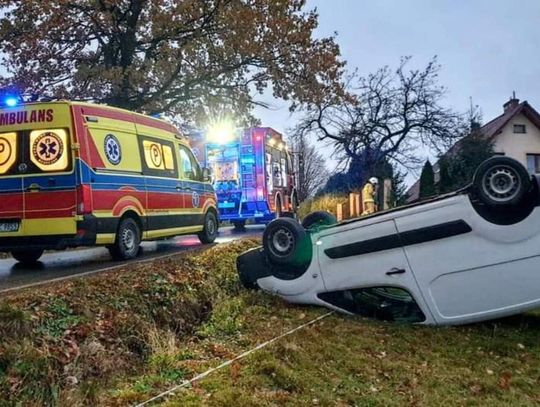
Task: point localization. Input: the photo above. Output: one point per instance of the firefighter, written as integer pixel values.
(368, 196)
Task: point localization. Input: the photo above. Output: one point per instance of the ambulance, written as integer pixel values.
(78, 174)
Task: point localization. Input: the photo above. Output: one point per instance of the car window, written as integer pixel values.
(8, 151)
(189, 167)
(383, 303)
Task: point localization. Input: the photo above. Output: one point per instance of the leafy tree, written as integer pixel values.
(460, 163)
(427, 181)
(184, 57)
(337, 184)
(345, 182)
(386, 117)
(398, 195)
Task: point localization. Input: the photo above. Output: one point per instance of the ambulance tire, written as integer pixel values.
(286, 242)
(128, 240)
(27, 256)
(210, 231)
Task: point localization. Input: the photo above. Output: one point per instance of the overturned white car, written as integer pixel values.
(463, 257)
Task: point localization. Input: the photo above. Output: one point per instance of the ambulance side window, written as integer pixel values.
(158, 157)
(189, 168)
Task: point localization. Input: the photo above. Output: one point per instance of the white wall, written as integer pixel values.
(518, 145)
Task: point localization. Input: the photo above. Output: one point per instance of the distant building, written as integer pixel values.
(515, 133)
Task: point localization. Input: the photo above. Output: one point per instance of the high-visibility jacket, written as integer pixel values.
(368, 193)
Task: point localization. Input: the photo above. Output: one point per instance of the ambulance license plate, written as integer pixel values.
(9, 226)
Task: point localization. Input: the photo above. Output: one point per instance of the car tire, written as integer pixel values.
(286, 242)
(501, 181)
(315, 220)
(128, 240)
(210, 230)
(27, 256)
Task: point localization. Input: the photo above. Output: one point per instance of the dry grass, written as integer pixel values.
(120, 338)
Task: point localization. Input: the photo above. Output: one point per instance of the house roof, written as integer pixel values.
(489, 131)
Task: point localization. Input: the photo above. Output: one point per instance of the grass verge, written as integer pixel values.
(122, 337)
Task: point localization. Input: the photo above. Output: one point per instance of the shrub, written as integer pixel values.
(327, 203)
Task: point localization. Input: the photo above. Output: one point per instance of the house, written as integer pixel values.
(515, 133)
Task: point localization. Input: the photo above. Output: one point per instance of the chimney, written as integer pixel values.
(513, 102)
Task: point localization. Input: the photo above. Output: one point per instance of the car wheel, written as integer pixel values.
(501, 181)
(285, 241)
(317, 219)
(210, 230)
(27, 256)
(128, 240)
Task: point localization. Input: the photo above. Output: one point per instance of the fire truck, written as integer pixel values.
(252, 173)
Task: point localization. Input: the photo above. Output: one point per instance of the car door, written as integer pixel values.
(364, 269)
(468, 268)
(193, 190)
(49, 182)
(164, 199)
(11, 186)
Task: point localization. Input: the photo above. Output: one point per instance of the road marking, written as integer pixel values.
(230, 361)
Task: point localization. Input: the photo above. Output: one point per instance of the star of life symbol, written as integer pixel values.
(48, 148)
(112, 149)
(195, 199)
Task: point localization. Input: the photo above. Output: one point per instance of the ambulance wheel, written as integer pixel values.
(317, 219)
(128, 239)
(501, 181)
(286, 242)
(210, 231)
(239, 225)
(27, 256)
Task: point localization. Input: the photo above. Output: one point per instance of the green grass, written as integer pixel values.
(120, 338)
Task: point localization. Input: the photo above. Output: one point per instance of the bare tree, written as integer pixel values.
(310, 166)
(389, 115)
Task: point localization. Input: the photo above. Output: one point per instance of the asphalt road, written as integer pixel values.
(70, 263)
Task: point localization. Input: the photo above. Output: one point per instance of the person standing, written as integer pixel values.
(369, 192)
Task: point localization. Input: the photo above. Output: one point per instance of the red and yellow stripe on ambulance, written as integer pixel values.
(124, 149)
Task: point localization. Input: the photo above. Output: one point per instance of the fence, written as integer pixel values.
(354, 206)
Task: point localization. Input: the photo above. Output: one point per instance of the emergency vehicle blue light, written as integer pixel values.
(11, 101)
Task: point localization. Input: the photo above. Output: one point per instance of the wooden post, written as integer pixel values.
(341, 212)
(358, 204)
(387, 193)
(352, 207)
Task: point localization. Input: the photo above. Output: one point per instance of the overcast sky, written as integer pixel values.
(487, 48)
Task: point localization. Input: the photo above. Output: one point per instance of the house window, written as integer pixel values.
(520, 128)
(533, 163)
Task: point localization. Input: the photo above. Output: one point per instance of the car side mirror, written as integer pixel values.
(206, 174)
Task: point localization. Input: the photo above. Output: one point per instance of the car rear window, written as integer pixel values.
(35, 151)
